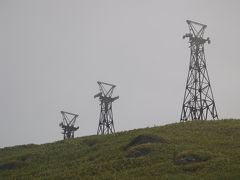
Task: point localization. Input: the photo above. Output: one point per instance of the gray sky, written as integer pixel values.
(52, 53)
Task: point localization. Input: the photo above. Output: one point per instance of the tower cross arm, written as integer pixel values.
(115, 98)
(64, 112)
(97, 95)
(99, 82)
(196, 23)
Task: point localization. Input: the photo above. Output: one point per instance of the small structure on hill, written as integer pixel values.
(106, 125)
(68, 124)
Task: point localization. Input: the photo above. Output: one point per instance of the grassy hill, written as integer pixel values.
(192, 150)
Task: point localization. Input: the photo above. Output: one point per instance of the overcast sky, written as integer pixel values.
(53, 52)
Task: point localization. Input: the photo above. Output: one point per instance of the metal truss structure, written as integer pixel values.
(198, 102)
(106, 125)
(67, 124)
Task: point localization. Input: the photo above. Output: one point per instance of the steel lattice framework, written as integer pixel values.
(106, 125)
(67, 124)
(198, 102)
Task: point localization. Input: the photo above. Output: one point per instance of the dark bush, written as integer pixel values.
(139, 150)
(187, 157)
(8, 166)
(145, 138)
(90, 142)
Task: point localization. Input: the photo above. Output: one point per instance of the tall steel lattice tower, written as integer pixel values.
(106, 125)
(67, 124)
(198, 102)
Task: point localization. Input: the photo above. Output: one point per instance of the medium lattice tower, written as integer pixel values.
(106, 125)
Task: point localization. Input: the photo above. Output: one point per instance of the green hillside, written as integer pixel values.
(192, 150)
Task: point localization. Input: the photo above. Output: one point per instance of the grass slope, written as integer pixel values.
(192, 150)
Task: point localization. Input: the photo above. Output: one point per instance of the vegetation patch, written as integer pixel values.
(144, 139)
(193, 167)
(198, 150)
(139, 150)
(8, 166)
(187, 157)
(90, 142)
(29, 157)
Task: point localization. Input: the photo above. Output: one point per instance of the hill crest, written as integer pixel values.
(191, 150)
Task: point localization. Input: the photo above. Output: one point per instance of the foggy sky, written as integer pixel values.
(53, 52)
